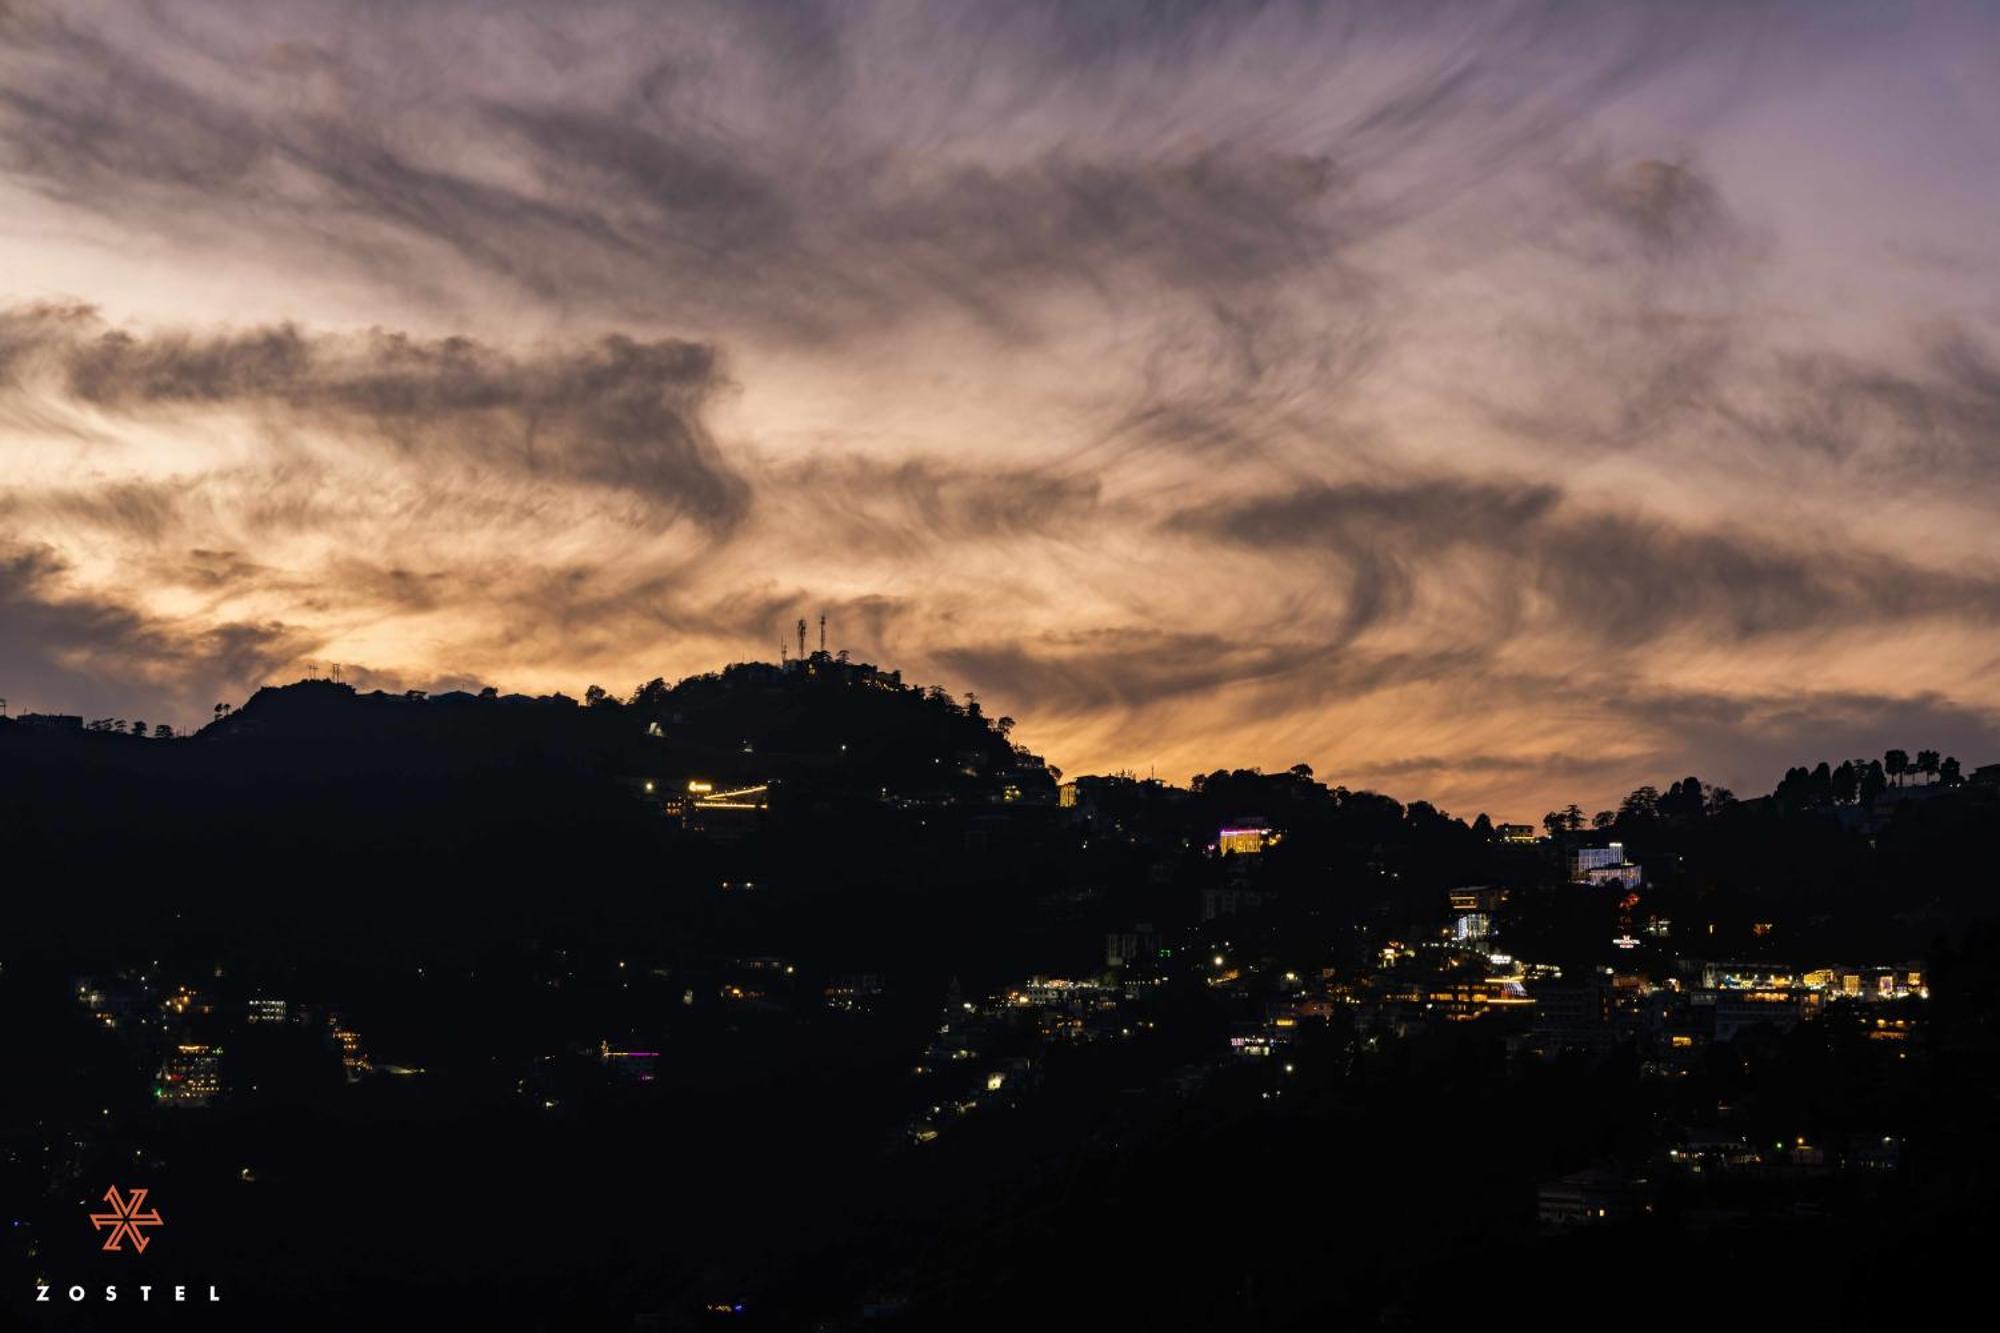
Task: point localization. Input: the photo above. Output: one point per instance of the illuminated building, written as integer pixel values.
(1519, 834)
(353, 1059)
(1055, 991)
(1870, 983)
(1477, 898)
(1246, 838)
(1472, 910)
(721, 812)
(191, 1075)
(738, 798)
(1747, 976)
(1255, 1040)
(1585, 859)
(267, 1011)
(1461, 1001)
(1604, 866)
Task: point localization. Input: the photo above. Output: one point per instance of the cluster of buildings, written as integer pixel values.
(1671, 1021)
(1405, 988)
(988, 1053)
(181, 1031)
(1712, 1174)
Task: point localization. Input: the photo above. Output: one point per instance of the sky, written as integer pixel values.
(1494, 404)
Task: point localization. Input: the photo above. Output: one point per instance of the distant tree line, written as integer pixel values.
(118, 726)
(1860, 781)
(1685, 802)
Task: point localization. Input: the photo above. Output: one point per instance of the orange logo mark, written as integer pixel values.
(125, 1219)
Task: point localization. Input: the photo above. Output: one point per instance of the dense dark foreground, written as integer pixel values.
(608, 1087)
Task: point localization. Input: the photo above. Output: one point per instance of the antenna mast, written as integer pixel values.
(802, 636)
(822, 634)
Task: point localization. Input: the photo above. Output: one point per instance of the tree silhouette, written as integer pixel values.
(1949, 772)
(1872, 782)
(1896, 763)
(1927, 764)
(1642, 804)
(1683, 800)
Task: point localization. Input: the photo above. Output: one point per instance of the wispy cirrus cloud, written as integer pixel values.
(620, 414)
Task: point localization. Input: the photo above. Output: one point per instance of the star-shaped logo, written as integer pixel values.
(125, 1219)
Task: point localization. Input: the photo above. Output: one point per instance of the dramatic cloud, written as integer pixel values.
(1601, 569)
(618, 414)
(1498, 402)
